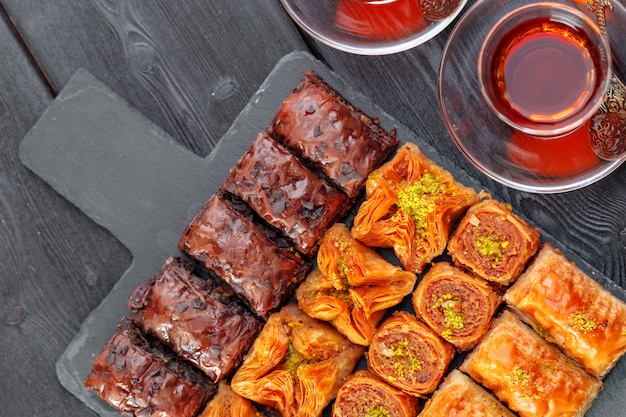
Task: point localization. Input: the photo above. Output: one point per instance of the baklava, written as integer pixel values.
(141, 377)
(409, 355)
(364, 394)
(227, 403)
(460, 396)
(493, 242)
(529, 375)
(296, 365)
(353, 286)
(224, 237)
(322, 127)
(286, 194)
(572, 310)
(200, 321)
(411, 205)
(456, 305)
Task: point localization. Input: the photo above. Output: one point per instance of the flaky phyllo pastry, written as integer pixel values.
(460, 396)
(456, 305)
(411, 204)
(493, 242)
(531, 376)
(353, 286)
(364, 394)
(228, 403)
(296, 364)
(570, 309)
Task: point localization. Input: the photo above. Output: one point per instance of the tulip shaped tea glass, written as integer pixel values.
(544, 69)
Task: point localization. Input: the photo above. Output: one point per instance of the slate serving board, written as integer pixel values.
(130, 177)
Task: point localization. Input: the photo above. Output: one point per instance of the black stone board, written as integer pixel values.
(132, 178)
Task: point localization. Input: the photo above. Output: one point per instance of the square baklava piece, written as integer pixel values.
(322, 127)
(140, 377)
(253, 260)
(529, 375)
(570, 309)
(199, 321)
(286, 194)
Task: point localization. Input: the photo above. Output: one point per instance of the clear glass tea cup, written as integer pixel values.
(544, 69)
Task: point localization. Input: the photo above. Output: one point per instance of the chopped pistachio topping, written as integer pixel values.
(582, 322)
(490, 247)
(403, 360)
(526, 381)
(419, 198)
(452, 313)
(542, 331)
(377, 411)
(293, 360)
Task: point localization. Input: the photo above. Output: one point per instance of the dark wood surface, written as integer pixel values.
(190, 67)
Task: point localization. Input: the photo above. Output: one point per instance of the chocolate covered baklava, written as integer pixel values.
(140, 377)
(225, 238)
(196, 319)
(286, 194)
(321, 126)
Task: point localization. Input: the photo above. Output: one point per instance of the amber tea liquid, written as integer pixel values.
(544, 71)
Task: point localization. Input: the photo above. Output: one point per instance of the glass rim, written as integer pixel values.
(553, 129)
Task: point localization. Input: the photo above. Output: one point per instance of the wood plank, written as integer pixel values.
(56, 263)
(189, 67)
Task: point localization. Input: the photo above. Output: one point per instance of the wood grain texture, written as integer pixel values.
(189, 66)
(56, 264)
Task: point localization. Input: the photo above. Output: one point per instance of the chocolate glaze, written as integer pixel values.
(141, 377)
(226, 240)
(321, 126)
(198, 320)
(285, 193)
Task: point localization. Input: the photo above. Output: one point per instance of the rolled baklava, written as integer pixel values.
(493, 242)
(409, 355)
(456, 305)
(529, 375)
(140, 377)
(411, 204)
(321, 126)
(364, 394)
(198, 320)
(285, 193)
(460, 396)
(353, 286)
(248, 257)
(572, 310)
(296, 364)
(227, 403)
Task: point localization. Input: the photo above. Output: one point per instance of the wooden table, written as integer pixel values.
(190, 67)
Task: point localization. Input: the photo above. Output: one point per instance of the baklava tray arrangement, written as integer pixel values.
(340, 271)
